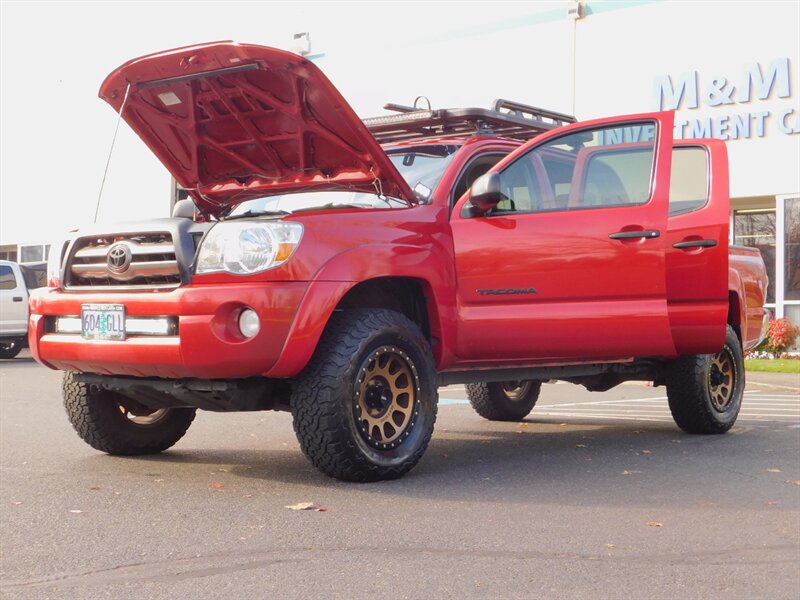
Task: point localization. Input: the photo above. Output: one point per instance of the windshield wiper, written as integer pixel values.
(332, 206)
(257, 213)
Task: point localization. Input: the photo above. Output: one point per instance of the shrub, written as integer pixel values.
(781, 335)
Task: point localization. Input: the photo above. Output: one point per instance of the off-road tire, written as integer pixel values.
(327, 396)
(10, 348)
(96, 415)
(493, 401)
(694, 400)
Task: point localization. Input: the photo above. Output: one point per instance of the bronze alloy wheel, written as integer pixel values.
(141, 415)
(365, 406)
(516, 390)
(386, 397)
(705, 391)
(722, 380)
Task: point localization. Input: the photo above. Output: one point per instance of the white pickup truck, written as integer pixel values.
(15, 281)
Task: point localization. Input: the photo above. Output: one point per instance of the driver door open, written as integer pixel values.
(571, 264)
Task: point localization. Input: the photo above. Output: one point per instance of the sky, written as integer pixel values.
(56, 133)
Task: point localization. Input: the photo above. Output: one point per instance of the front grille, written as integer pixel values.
(124, 262)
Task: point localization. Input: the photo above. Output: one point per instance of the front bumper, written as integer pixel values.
(206, 345)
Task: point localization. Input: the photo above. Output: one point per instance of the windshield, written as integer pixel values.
(421, 166)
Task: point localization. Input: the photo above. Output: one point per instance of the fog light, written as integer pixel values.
(249, 323)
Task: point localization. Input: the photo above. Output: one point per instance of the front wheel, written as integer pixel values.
(705, 390)
(365, 406)
(112, 423)
(504, 401)
(10, 348)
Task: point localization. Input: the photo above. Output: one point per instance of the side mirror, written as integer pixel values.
(485, 194)
(183, 209)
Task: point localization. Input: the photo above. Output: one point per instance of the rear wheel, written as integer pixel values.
(112, 423)
(365, 406)
(504, 401)
(10, 348)
(705, 390)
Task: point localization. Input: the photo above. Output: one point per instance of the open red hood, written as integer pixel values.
(236, 121)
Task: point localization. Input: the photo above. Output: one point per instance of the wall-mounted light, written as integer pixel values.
(301, 43)
(576, 10)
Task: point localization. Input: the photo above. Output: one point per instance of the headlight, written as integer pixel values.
(245, 247)
(55, 261)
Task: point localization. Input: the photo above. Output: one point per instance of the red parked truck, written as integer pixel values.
(345, 269)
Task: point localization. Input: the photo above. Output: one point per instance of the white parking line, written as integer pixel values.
(756, 407)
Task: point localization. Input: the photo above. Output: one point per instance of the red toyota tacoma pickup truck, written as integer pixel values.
(345, 269)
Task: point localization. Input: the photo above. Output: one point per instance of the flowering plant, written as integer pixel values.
(781, 335)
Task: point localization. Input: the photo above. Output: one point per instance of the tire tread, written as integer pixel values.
(319, 421)
(687, 394)
(91, 413)
(490, 402)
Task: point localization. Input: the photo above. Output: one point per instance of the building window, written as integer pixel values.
(792, 260)
(756, 228)
(29, 254)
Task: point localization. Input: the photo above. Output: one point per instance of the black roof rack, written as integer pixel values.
(505, 119)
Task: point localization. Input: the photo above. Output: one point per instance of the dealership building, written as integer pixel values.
(730, 70)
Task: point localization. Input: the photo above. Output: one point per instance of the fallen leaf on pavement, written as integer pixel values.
(216, 486)
(796, 481)
(647, 451)
(301, 506)
(580, 445)
(773, 470)
(611, 545)
(654, 524)
(632, 472)
(320, 509)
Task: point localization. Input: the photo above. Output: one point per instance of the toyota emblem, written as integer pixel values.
(119, 258)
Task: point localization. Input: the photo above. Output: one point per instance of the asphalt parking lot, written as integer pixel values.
(595, 495)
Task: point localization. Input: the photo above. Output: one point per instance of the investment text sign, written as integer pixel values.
(742, 120)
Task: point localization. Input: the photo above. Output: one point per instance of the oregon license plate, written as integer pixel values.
(103, 321)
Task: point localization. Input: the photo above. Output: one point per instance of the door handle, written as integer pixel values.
(16, 299)
(632, 235)
(695, 244)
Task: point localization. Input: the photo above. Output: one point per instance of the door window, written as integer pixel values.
(595, 168)
(688, 184)
(7, 279)
(520, 188)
